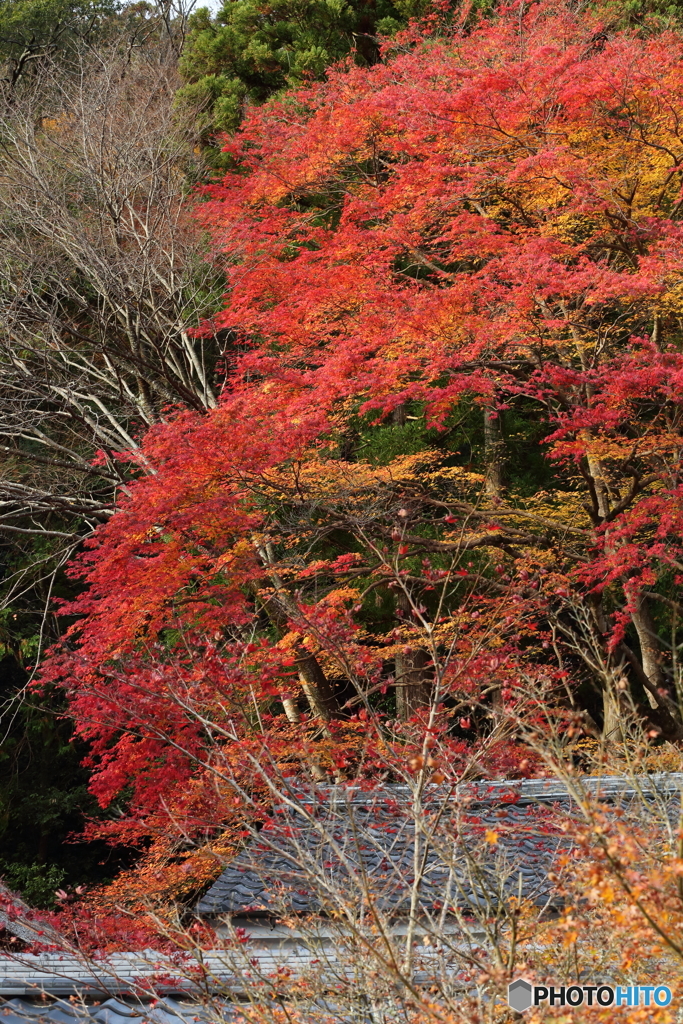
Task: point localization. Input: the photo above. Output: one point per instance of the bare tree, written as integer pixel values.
(102, 278)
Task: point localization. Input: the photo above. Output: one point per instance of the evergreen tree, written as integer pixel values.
(251, 49)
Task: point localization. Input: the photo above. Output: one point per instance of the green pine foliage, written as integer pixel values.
(252, 49)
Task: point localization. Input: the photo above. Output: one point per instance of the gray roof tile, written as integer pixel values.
(348, 836)
(113, 1011)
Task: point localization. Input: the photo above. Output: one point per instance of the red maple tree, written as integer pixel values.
(486, 222)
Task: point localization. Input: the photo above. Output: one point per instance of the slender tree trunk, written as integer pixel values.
(319, 694)
(649, 647)
(599, 483)
(291, 710)
(280, 608)
(412, 685)
(612, 718)
(611, 703)
(611, 696)
(315, 684)
(493, 450)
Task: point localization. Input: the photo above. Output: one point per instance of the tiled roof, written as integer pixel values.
(113, 1011)
(121, 985)
(480, 843)
(132, 974)
(29, 974)
(327, 844)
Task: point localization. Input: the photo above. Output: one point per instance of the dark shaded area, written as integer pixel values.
(44, 798)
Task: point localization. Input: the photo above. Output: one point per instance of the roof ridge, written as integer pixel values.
(536, 788)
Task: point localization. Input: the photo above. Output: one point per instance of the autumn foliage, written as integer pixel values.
(326, 574)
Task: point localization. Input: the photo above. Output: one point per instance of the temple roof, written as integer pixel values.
(476, 845)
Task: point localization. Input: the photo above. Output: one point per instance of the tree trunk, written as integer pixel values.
(649, 647)
(316, 685)
(493, 450)
(291, 710)
(412, 685)
(612, 719)
(280, 608)
(599, 483)
(612, 731)
(398, 416)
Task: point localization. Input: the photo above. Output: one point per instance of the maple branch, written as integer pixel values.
(638, 484)
(664, 716)
(497, 538)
